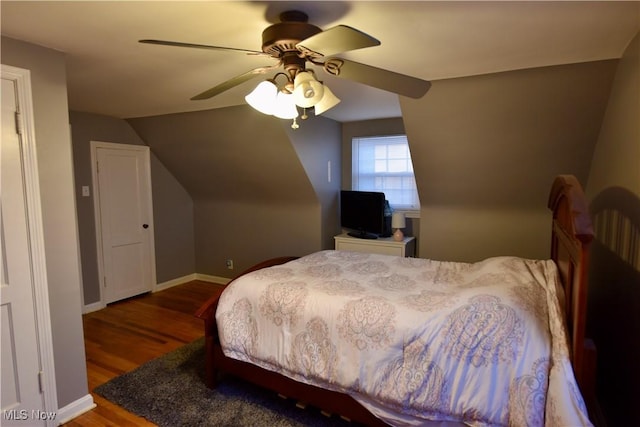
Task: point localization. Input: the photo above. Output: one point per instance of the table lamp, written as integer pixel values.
(398, 222)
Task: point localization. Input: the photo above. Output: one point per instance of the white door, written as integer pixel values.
(123, 197)
(21, 394)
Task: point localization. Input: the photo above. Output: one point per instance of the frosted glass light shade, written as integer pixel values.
(263, 97)
(285, 106)
(307, 91)
(329, 100)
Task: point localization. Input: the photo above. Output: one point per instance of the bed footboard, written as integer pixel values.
(330, 402)
(207, 312)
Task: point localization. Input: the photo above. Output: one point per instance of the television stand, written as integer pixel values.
(381, 245)
(362, 235)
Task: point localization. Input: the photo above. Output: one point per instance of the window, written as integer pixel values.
(383, 163)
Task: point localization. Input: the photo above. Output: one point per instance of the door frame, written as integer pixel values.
(95, 145)
(22, 80)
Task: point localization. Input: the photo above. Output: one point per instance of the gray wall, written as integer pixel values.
(55, 167)
(317, 144)
(613, 190)
(281, 192)
(172, 205)
(260, 190)
(486, 149)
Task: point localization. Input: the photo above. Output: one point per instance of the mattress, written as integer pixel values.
(412, 340)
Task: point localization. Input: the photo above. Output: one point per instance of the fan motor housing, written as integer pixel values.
(284, 36)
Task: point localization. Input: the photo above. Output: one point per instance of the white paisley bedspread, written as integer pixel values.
(412, 339)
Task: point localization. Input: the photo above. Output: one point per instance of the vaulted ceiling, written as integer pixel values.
(110, 73)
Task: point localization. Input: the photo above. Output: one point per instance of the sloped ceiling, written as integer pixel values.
(231, 153)
(500, 139)
(110, 73)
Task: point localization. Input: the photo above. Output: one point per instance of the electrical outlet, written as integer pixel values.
(230, 264)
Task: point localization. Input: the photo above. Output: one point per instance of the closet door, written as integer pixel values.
(125, 219)
(22, 398)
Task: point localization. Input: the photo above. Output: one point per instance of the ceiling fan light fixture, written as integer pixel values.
(307, 90)
(284, 106)
(329, 100)
(294, 43)
(263, 97)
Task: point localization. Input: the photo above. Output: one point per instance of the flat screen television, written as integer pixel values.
(362, 212)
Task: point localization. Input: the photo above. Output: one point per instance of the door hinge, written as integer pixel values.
(41, 381)
(18, 118)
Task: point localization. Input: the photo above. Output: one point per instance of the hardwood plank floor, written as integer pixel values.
(126, 334)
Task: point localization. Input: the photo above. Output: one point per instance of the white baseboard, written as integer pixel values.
(191, 277)
(213, 279)
(92, 307)
(166, 285)
(174, 282)
(75, 409)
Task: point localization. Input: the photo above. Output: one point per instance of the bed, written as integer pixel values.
(383, 340)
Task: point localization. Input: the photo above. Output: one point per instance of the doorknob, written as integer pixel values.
(145, 225)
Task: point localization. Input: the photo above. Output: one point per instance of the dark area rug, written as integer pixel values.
(170, 391)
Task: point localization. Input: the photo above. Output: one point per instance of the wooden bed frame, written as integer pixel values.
(571, 233)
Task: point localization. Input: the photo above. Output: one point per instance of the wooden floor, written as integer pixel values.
(126, 334)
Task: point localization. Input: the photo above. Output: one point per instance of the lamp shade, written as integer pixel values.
(307, 91)
(398, 220)
(285, 106)
(263, 97)
(329, 100)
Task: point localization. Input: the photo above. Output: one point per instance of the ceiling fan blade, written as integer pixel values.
(377, 77)
(231, 83)
(341, 38)
(201, 46)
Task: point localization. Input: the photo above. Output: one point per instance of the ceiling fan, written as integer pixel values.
(294, 41)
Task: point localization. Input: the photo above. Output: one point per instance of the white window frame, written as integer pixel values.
(403, 177)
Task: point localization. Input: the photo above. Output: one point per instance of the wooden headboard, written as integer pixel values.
(571, 236)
